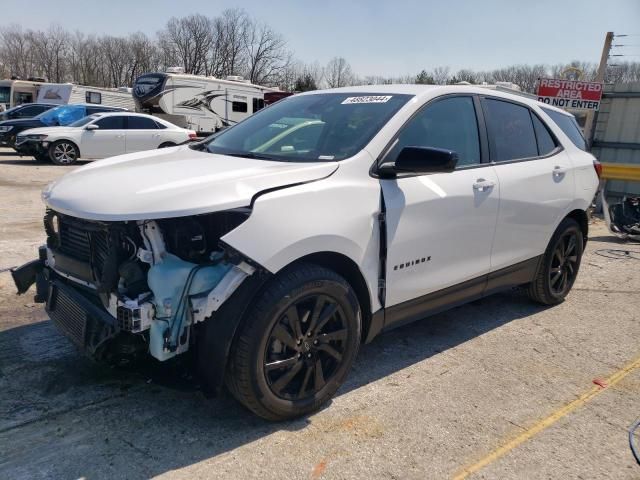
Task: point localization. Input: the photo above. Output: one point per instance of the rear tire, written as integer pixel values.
(296, 344)
(63, 152)
(559, 265)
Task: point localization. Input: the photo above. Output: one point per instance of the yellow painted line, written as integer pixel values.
(621, 171)
(546, 422)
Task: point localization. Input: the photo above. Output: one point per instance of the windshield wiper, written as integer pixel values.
(252, 155)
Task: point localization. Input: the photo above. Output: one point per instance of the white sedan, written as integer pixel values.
(101, 135)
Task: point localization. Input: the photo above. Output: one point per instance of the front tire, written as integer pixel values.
(63, 152)
(296, 344)
(559, 266)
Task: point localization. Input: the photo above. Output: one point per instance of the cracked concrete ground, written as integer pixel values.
(424, 401)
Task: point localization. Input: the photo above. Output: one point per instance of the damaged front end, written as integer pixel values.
(117, 288)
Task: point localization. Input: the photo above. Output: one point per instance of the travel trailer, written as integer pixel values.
(203, 104)
(17, 92)
(70, 93)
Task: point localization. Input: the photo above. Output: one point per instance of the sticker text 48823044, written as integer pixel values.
(367, 99)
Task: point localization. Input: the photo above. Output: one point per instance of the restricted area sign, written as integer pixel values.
(572, 94)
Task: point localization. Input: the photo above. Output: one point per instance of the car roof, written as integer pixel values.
(125, 113)
(93, 105)
(430, 91)
(37, 104)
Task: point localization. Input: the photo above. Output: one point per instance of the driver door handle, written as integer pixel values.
(482, 185)
(558, 170)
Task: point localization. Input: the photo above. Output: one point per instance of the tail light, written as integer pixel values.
(598, 167)
(192, 135)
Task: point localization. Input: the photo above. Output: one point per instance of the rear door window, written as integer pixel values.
(511, 133)
(141, 123)
(569, 126)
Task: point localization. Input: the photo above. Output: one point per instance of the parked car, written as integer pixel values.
(26, 110)
(102, 135)
(275, 265)
(60, 115)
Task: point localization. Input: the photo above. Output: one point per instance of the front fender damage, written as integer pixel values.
(186, 293)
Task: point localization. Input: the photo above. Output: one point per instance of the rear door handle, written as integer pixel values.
(482, 185)
(558, 170)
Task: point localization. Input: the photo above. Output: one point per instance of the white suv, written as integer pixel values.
(274, 248)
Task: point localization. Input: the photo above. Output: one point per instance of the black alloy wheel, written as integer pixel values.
(305, 347)
(558, 267)
(296, 344)
(564, 264)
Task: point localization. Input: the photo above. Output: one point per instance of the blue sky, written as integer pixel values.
(380, 37)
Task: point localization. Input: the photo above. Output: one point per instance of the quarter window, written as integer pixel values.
(141, 123)
(546, 143)
(111, 123)
(450, 124)
(239, 107)
(569, 126)
(511, 131)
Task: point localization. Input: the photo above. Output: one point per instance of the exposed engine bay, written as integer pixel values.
(149, 282)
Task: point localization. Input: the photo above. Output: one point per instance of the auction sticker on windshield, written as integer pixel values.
(367, 99)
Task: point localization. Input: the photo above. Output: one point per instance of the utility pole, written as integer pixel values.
(589, 126)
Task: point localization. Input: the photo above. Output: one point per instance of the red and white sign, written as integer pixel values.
(570, 94)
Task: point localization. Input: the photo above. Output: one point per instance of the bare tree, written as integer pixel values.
(116, 57)
(266, 54)
(17, 52)
(440, 75)
(188, 40)
(338, 73)
(229, 44)
(229, 48)
(50, 49)
(144, 56)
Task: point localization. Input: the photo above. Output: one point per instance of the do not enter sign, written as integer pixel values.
(572, 94)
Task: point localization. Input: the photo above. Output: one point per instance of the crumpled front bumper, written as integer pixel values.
(30, 147)
(75, 314)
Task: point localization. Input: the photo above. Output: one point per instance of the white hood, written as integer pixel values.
(49, 130)
(171, 182)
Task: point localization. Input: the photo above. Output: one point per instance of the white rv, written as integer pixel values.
(70, 93)
(17, 92)
(203, 104)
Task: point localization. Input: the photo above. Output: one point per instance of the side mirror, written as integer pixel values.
(421, 160)
(92, 126)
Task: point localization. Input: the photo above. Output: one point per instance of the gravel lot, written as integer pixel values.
(475, 384)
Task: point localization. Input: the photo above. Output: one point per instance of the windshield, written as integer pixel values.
(83, 121)
(62, 115)
(5, 94)
(311, 128)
